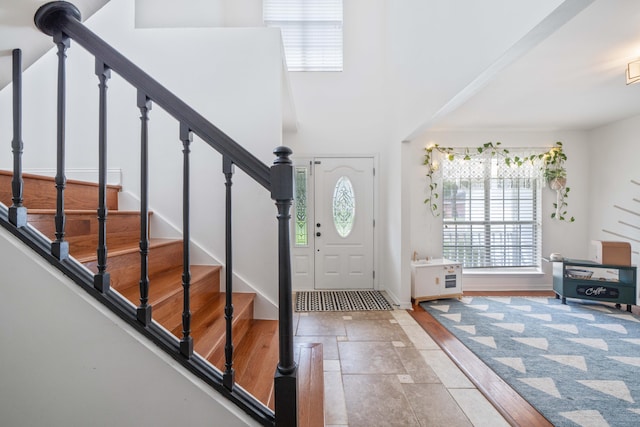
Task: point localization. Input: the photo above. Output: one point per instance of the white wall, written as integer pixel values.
(613, 163)
(169, 14)
(58, 371)
(569, 239)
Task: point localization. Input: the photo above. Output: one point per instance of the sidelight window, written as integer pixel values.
(301, 207)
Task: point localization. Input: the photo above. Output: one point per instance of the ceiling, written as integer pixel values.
(18, 31)
(572, 79)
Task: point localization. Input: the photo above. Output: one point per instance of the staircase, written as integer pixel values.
(255, 341)
(151, 284)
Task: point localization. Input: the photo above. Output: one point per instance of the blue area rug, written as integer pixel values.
(577, 364)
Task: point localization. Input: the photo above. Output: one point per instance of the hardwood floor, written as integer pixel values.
(508, 402)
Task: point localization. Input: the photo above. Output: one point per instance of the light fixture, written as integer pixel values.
(633, 71)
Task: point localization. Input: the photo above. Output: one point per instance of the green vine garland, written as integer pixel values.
(551, 164)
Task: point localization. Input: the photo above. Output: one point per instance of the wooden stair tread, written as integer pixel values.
(255, 358)
(92, 212)
(208, 324)
(82, 226)
(26, 175)
(123, 263)
(40, 192)
(124, 248)
(166, 293)
(166, 284)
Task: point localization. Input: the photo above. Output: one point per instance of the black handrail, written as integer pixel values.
(61, 20)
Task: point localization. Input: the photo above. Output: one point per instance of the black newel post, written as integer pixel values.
(60, 248)
(186, 343)
(228, 377)
(101, 281)
(286, 379)
(17, 212)
(143, 313)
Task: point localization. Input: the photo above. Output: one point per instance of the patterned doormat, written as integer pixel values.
(341, 301)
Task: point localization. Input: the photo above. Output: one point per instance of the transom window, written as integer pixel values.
(311, 32)
(491, 213)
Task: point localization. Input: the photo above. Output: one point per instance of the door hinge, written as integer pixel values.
(374, 223)
(374, 274)
(374, 171)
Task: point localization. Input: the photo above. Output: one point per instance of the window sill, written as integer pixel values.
(522, 272)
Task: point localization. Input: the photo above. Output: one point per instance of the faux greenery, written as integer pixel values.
(551, 164)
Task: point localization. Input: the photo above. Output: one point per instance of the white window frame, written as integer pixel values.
(487, 233)
(311, 32)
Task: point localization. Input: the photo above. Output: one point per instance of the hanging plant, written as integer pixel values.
(551, 164)
(555, 174)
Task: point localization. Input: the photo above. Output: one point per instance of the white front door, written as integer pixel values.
(343, 223)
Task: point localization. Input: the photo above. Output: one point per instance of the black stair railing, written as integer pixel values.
(186, 342)
(17, 212)
(143, 312)
(102, 280)
(228, 378)
(60, 248)
(61, 20)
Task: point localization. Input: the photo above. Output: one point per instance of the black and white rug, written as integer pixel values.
(341, 301)
(578, 364)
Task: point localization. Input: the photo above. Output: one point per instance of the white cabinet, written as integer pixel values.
(437, 278)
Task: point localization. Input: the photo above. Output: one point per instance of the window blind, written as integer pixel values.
(311, 32)
(491, 213)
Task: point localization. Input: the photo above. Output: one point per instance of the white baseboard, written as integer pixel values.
(396, 302)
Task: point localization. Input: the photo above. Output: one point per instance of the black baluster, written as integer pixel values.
(101, 281)
(186, 343)
(286, 379)
(60, 248)
(144, 310)
(228, 378)
(17, 212)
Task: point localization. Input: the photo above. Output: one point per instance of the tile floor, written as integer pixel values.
(382, 369)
